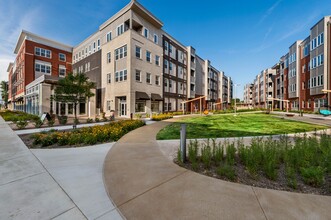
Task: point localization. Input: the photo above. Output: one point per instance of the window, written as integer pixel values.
(62, 70)
(121, 52)
(157, 80)
(108, 36)
(146, 32)
(90, 49)
(120, 29)
(43, 68)
(157, 60)
(87, 67)
(148, 56)
(148, 78)
(108, 105)
(94, 46)
(98, 44)
(138, 52)
(62, 57)
(109, 78)
(43, 52)
(156, 39)
(170, 66)
(166, 46)
(121, 76)
(138, 75)
(140, 106)
(108, 57)
(170, 48)
(166, 64)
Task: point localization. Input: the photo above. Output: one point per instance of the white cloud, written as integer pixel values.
(269, 11)
(13, 20)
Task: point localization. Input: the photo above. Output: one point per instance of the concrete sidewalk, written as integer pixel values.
(79, 173)
(144, 184)
(27, 190)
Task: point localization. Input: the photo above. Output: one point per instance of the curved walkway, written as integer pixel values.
(144, 184)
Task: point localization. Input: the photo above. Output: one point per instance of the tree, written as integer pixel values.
(74, 88)
(4, 92)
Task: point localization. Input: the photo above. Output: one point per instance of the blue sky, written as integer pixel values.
(239, 37)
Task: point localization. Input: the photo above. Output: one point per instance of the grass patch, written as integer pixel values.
(218, 126)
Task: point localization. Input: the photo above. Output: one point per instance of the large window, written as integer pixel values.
(43, 52)
(138, 75)
(82, 108)
(155, 107)
(43, 68)
(140, 106)
(148, 78)
(148, 56)
(62, 57)
(121, 76)
(121, 52)
(138, 52)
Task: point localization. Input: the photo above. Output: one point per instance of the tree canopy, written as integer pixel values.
(4, 92)
(74, 88)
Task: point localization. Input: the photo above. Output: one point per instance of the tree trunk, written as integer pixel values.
(75, 112)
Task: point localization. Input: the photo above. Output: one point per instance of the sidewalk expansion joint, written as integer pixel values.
(26, 177)
(154, 187)
(259, 203)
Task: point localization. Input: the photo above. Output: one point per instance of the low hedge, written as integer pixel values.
(8, 115)
(161, 117)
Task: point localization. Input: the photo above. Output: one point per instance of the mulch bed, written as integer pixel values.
(244, 177)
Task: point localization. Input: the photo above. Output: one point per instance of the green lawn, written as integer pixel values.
(218, 126)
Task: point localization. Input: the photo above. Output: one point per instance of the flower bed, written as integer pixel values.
(86, 136)
(8, 115)
(161, 117)
(302, 165)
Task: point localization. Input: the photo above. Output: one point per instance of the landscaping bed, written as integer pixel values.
(303, 165)
(83, 136)
(8, 115)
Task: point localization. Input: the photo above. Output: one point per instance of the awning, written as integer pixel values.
(156, 97)
(142, 96)
(19, 99)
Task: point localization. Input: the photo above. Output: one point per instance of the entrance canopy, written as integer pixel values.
(156, 97)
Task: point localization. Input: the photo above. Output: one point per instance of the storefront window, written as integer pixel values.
(70, 109)
(155, 106)
(82, 109)
(140, 106)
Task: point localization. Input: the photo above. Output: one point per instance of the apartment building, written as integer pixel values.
(248, 95)
(39, 63)
(303, 75)
(143, 69)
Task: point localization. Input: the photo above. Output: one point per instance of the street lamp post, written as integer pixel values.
(235, 98)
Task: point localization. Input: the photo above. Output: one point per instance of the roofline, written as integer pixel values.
(25, 33)
(126, 8)
(10, 65)
(328, 16)
(174, 40)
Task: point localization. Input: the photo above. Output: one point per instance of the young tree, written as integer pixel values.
(4, 92)
(74, 88)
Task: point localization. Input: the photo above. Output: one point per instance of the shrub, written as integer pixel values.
(21, 124)
(206, 155)
(89, 120)
(193, 151)
(137, 115)
(38, 123)
(313, 176)
(161, 117)
(291, 177)
(14, 116)
(51, 123)
(147, 115)
(226, 171)
(97, 120)
(230, 154)
(62, 119)
(76, 121)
